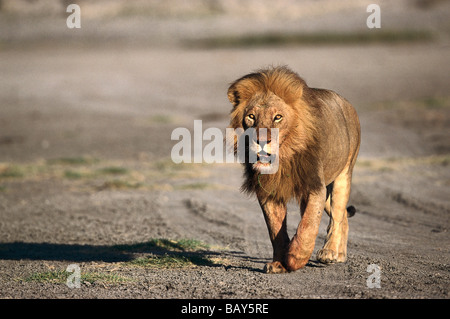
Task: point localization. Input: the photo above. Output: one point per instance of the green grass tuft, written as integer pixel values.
(166, 253)
(118, 184)
(164, 261)
(113, 170)
(73, 161)
(161, 119)
(158, 244)
(70, 174)
(12, 171)
(171, 261)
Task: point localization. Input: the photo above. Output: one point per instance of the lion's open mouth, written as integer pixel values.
(266, 163)
(265, 158)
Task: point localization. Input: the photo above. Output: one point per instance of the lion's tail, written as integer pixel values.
(351, 210)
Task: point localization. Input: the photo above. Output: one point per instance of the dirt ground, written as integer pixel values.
(86, 175)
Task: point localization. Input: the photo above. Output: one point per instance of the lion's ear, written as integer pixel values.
(233, 95)
(244, 88)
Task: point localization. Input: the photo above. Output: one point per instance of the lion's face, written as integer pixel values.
(270, 100)
(271, 118)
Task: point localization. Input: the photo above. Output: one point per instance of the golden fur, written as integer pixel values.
(318, 142)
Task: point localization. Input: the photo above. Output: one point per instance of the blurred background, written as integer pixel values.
(86, 117)
(136, 69)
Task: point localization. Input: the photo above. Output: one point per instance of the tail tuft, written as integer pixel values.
(351, 211)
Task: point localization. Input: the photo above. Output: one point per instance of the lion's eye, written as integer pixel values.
(251, 116)
(278, 118)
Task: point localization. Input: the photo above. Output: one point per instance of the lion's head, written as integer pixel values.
(270, 102)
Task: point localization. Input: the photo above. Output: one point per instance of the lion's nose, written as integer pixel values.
(262, 142)
(264, 145)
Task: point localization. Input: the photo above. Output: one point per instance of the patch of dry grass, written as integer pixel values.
(95, 174)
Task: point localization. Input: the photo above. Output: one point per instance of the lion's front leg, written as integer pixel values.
(275, 216)
(302, 244)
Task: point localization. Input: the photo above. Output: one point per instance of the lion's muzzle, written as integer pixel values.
(266, 155)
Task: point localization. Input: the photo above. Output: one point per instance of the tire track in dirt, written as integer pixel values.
(198, 218)
(222, 225)
(404, 209)
(212, 215)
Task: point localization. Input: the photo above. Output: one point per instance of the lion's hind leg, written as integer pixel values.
(335, 247)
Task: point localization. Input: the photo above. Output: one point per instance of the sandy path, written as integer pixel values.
(116, 106)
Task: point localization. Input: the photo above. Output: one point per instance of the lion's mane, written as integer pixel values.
(299, 149)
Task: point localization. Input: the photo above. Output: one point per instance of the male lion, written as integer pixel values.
(318, 142)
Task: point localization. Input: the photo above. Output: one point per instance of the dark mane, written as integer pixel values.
(298, 166)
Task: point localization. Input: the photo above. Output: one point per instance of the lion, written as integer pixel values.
(318, 141)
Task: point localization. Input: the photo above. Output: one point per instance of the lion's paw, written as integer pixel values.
(328, 256)
(274, 268)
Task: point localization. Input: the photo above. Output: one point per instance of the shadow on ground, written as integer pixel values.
(159, 249)
(86, 253)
